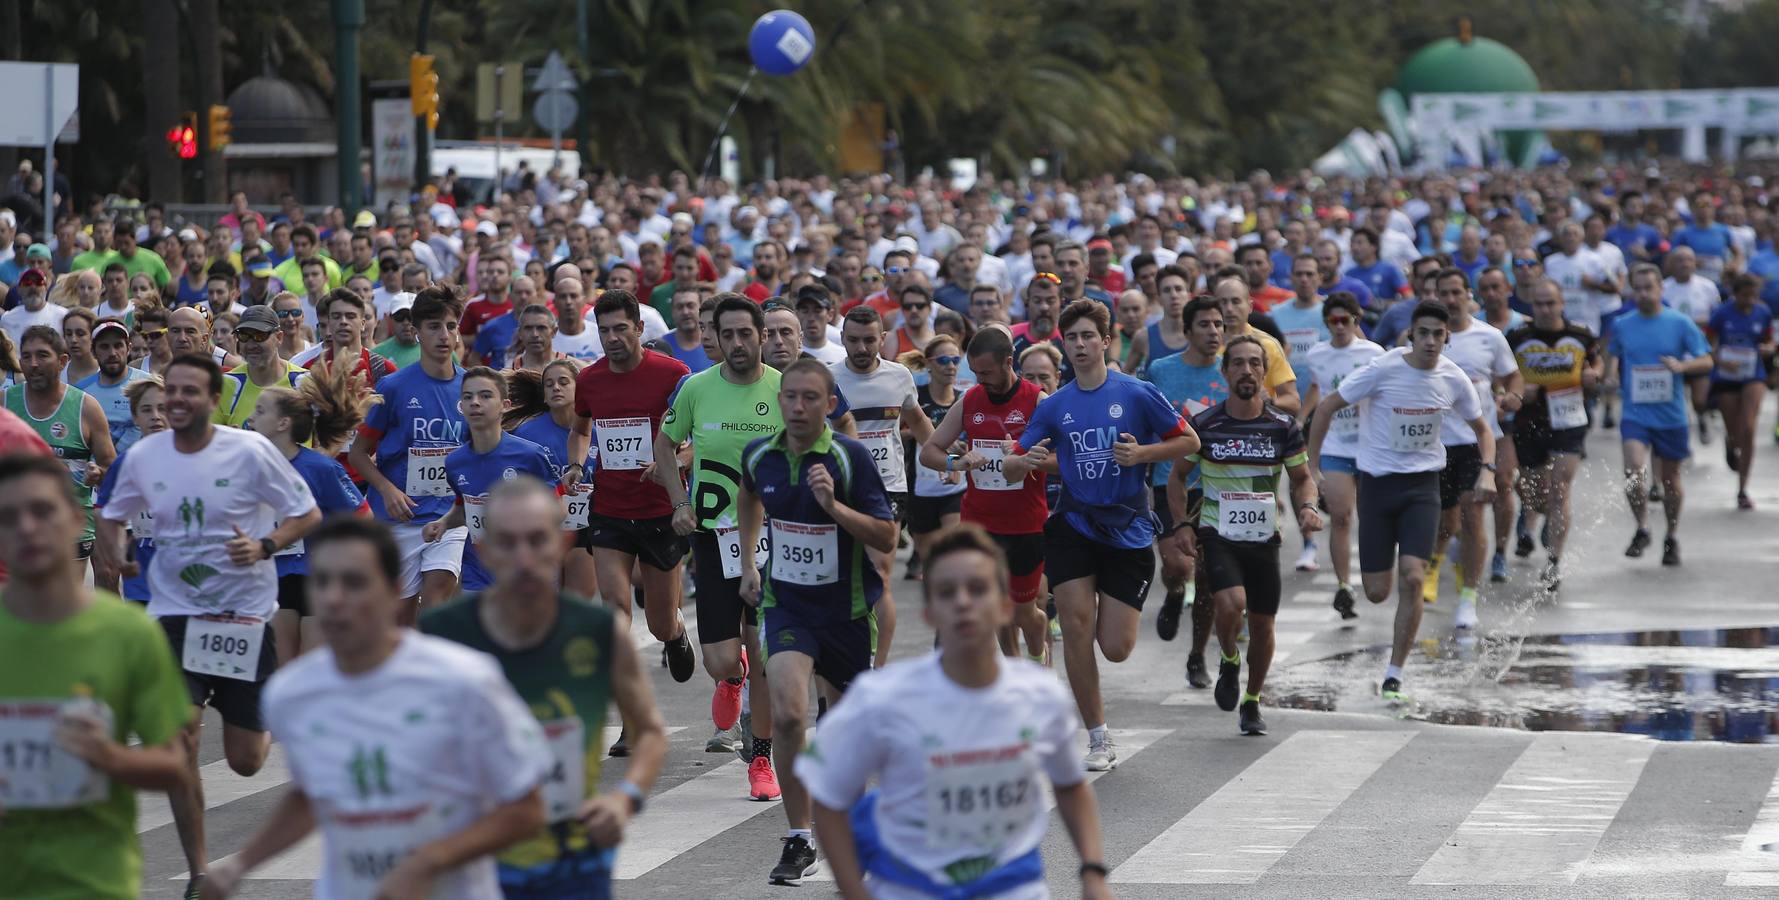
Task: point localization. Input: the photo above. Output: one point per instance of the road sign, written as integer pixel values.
(32, 107)
(500, 87)
(555, 111)
(554, 76)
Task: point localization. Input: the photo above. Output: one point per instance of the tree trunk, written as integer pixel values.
(207, 45)
(9, 49)
(160, 88)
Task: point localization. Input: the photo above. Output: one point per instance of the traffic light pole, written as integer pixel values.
(422, 134)
(348, 19)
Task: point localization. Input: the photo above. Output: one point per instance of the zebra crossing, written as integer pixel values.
(1529, 811)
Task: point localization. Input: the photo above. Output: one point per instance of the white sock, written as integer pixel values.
(1393, 672)
(1096, 734)
(803, 833)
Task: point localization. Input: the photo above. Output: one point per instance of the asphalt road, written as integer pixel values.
(1355, 803)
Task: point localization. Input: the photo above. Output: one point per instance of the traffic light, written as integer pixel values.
(221, 130)
(423, 89)
(182, 139)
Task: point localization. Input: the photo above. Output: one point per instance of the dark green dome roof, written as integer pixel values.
(1447, 66)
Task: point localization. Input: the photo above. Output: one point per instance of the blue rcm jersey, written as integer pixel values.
(1102, 499)
(416, 425)
(334, 494)
(473, 475)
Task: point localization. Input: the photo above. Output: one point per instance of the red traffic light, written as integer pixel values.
(182, 139)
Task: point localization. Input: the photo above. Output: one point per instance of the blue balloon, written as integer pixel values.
(781, 42)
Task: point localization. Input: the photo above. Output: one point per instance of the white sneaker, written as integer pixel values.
(1466, 619)
(1306, 561)
(1101, 755)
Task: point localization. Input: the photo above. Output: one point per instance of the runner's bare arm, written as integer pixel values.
(110, 547)
(606, 814)
(288, 822)
(1080, 812)
(1310, 401)
(833, 831)
(580, 439)
(1304, 497)
(98, 433)
(937, 446)
(1332, 404)
(748, 515)
(919, 426)
(846, 425)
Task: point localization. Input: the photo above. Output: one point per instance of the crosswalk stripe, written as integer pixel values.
(1240, 831)
(1757, 865)
(221, 787)
(1542, 820)
(686, 816)
(1129, 742)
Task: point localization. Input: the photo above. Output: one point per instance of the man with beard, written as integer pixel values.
(111, 350)
(770, 260)
(33, 307)
(69, 421)
(496, 282)
(256, 335)
(1039, 326)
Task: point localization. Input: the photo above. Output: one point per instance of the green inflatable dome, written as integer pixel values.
(1479, 65)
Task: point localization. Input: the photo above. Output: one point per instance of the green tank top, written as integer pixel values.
(61, 431)
(566, 680)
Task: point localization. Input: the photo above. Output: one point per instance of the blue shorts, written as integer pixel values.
(1667, 443)
(581, 875)
(841, 650)
(1339, 465)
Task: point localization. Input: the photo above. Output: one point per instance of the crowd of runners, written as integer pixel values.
(389, 484)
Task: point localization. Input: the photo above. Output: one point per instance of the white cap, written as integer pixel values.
(187, 234)
(401, 301)
(486, 227)
(747, 210)
(682, 218)
(908, 243)
(650, 238)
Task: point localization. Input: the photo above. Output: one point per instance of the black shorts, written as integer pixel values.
(1240, 564)
(841, 650)
(1025, 552)
(1536, 444)
(898, 501)
(1398, 511)
(1719, 388)
(1463, 465)
(293, 593)
(651, 540)
(1121, 573)
(925, 513)
(721, 610)
(238, 702)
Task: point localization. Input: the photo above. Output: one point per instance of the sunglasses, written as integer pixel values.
(151, 334)
(947, 360)
(915, 307)
(1047, 276)
(290, 314)
(1338, 320)
(871, 279)
(252, 337)
(894, 270)
(1525, 263)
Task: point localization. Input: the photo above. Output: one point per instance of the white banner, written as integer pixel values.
(1745, 110)
(392, 136)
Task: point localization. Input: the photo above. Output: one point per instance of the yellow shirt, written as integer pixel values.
(1278, 365)
(240, 394)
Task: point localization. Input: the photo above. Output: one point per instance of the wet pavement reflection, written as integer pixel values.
(1706, 685)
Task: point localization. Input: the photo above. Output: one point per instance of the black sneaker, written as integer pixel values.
(1391, 691)
(795, 863)
(1704, 431)
(1608, 420)
(681, 662)
(194, 888)
(1251, 721)
(620, 747)
(1228, 691)
(1196, 675)
(1732, 456)
(1639, 543)
(1167, 622)
(1551, 577)
(1523, 547)
(1343, 603)
(1670, 552)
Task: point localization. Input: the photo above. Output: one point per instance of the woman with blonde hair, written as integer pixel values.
(78, 290)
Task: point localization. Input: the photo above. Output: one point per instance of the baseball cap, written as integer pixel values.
(814, 293)
(1099, 244)
(105, 325)
(402, 302)
(254, 318)
(487, 227)
(683, 218)
(365, 219)
(260, 268)
(37, 251)
(187, 235)
(32, 276)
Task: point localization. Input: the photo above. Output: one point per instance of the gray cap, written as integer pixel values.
(258, 318)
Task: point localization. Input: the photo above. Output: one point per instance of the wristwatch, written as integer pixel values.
(1490, 466)
(634, 793)
(267, 547)
(1100, 868)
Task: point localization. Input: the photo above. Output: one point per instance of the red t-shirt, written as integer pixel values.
(758, 292)
(1020, 510)
(643, 393)
(1112, 282)
(1270, 295)
(479, 311)
(17, 436)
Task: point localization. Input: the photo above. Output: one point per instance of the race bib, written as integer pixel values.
(580, 511)
(729, 546)
(224, 646)
(1300, 340)
(370, 845)
(35, 772)
(1652, 384)
(76, 470)
(980, 799)
(1568, 409)
(880, 437)
(295, 549)
(475, 511)
(426, 472)
(625, 444)
(805, 554)
(990, 477)
(143, 525)
(1244, 516)
(566, 785)
(1344, 427)
(1737, 363)
(1413, 430)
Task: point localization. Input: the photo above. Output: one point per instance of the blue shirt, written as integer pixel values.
(334, 493)
(777, 477)
(418, 411)
(1103, 500)
(1352, 286)
(544, 432)
(1766, 265)
(1640, 340)
(1631, 238)
(693, 358)
(135, 587)
(1282, 261)
(494, 338)
(1471, 269)
(1394, 322)
(1191, 390)
(116, 406)
(1734, 328)
(1302, 328)
(1382, 279)
(1712, 241)
(473, 475)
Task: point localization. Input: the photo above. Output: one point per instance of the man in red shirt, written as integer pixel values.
(1256, 263)
(770, 261)
(651, 269)
(1100, 270)
(496, 281)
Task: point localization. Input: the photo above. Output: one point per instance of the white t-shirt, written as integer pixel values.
(18, 318)
(198, 500)
(925, 740)
(1567, 271)
(1329, 365)
(653, 326)
(584, 346)
(414, 750)
(878, 401)
(1605, 303)
(1400, 409)
(831, 353)
(1481, 350)
(305, 357)
(1696, 298)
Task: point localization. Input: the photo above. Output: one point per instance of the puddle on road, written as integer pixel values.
(1707, 685)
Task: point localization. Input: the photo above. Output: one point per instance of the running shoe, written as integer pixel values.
(1551, 577)
(1196, 674)
(1704, 431)
(1430, 587)
(1608, 420)
(194, 888)
(1498, 567)
(1251, 722)
(620, 747)
(1343, 603)
(795, 863)
(1306, 561)
(744, 736)
(725, 701)
(1228, 689)
(1391, 691)
(1639, 543)
(914, 570)
(1670, 552)
(1732, 456)
(1466, 618)
(1742, 501)
(1102, 756)
(722, 741)
(1167, 621)
(681, 662)
(1522, 547)
(1055, 629)
(762, 782)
